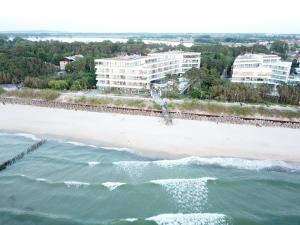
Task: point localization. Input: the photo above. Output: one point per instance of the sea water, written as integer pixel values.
(66, 182)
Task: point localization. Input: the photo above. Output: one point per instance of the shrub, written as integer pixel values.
(58, 84)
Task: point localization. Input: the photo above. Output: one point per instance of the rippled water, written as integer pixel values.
(66, 182)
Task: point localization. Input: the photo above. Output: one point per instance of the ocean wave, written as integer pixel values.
(41, 179)
(190, 219)
(67, 183)
(274, 165)
(184, 180)
(237, 163)
(29, 178)
(109, 185)
(25, 135)
(65, 160)
(189, 194)
(80, 144)
(130, 219)
(76, 184)
(112, 185)
(93, 163)
(121, 149)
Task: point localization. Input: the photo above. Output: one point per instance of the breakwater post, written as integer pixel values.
(32, 148)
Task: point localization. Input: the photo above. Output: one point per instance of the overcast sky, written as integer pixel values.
(182, 16)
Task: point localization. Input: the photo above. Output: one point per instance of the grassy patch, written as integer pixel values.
(2, 91)
(236, 110)
(34, 94)
(112, 102)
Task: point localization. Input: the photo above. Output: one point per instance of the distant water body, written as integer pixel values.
(98, 39)
(67, 182)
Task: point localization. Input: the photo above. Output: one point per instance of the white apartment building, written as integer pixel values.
(137, 72)
(260, 68)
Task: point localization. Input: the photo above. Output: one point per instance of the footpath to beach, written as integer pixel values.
(149, 136)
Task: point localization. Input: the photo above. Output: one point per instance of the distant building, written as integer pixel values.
(261, 68)
(137, 72)
(68, 59)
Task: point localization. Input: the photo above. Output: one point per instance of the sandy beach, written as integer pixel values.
(149, 136)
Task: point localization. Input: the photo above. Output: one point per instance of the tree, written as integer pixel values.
(69, 68)
(41, 54)
(295, 63)
(280, 47)
(289, 94)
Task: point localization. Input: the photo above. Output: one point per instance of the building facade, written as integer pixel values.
(138, 72)
(260, 68)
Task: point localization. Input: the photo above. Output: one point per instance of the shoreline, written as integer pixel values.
(149, 136)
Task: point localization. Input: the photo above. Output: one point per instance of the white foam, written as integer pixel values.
(80, 144)
(190, 219)
(112, 185)
(168, 181)
(130, 219)
(25, 135)
(93, 163)
(118, 149)
(75, 183)
(41, 179)
(133, 168)
(230, 162)
(189, 194)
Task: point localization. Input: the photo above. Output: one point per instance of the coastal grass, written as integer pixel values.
(45, 94)
(236, 110)
(195, 106)
(111, 102)
(186, 106)
(2, 91)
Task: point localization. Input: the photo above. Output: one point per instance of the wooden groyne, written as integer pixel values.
(157, 113)
(20, 156)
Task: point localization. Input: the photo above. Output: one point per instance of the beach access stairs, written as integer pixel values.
(163, 105)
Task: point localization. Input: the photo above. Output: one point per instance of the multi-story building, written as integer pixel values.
(260, 68)
(138, 72)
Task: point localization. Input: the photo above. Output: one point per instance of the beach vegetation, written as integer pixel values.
(35, 82)
(2, 91)
(58, 84)
(46, 94)
(235, 109)
(134, 103)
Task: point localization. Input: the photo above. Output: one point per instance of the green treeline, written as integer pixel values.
(207, 84)
(35, 65)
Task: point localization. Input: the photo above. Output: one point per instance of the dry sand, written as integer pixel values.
(149, 136)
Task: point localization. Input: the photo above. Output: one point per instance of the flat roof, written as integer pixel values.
(138, 57)
(124, 58)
